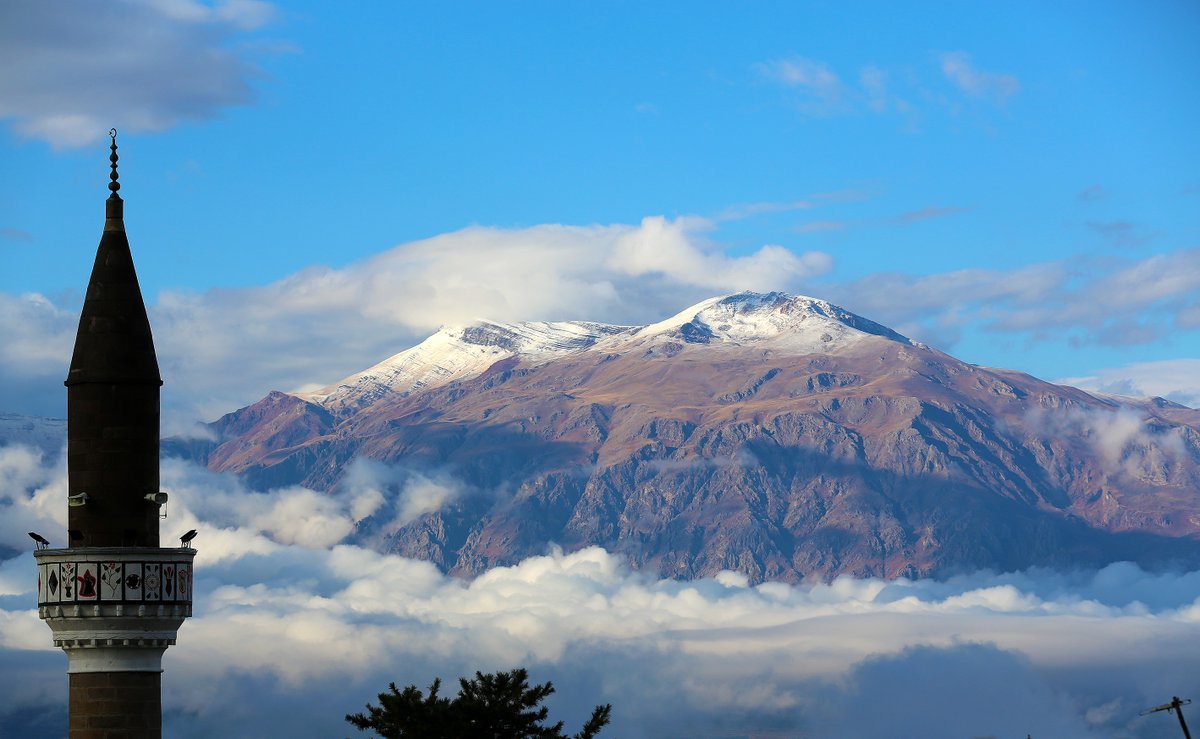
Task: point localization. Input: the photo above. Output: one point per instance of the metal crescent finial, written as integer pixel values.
(114, 185)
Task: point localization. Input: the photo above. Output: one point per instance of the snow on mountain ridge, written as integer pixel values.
(794, 324)
(458, 352)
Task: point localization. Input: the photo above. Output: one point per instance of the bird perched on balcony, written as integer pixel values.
(41, 540)
(186, 540)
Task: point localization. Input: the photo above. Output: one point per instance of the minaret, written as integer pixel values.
(113, 598)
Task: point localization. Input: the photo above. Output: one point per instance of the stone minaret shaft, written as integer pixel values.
(112, 597)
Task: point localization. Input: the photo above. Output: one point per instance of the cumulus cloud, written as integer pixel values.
(33, 487)
(231, 347)
(409, 493)
(292, 631)
(225, 348)
(145, 65)
(959, 69)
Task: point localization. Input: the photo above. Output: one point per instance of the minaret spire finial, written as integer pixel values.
(114, 185)
(114, 210)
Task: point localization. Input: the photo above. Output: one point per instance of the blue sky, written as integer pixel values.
(312, 187)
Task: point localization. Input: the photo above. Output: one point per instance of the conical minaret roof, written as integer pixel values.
(114, 344)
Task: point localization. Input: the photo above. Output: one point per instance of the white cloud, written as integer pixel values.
(145, 65)
(32, 490)
(802, 72)
(1173, 379)
(823, 90)
(957, 67)
(225, 348)
(874, 82)
(288, 637)
(1120, 439)
(1114, 301)
(411, 492)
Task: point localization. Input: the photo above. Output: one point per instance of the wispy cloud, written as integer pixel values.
(16, 234)
(748, 210)
(1122, 234)
(874, 83)
(1092, 193)
(144, 65)
(1173, 379)
(803, 72)
(824, 92)
(932, 211)
(958, 68)
(821, 226)
(1092, 301)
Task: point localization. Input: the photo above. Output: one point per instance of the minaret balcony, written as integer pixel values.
(114, 609)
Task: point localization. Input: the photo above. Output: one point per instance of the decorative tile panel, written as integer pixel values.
(152, 581)
(184, 588)
(87, 583)
(111, 575)
(66, 576)
(133, 581)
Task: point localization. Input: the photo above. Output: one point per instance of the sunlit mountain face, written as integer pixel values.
(774, 435)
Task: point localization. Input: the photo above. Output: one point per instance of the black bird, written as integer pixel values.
(41, 540)
(186, 539)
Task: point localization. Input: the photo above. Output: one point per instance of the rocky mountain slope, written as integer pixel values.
(779, 436)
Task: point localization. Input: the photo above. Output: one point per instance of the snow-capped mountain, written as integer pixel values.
(795, 325)
(460, 352)
(776, 435)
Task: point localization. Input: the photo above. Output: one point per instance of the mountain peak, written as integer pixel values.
(797, 322)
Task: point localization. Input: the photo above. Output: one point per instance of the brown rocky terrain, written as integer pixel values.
(780, 438)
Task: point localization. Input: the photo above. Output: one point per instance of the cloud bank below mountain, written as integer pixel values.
(293, 629)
